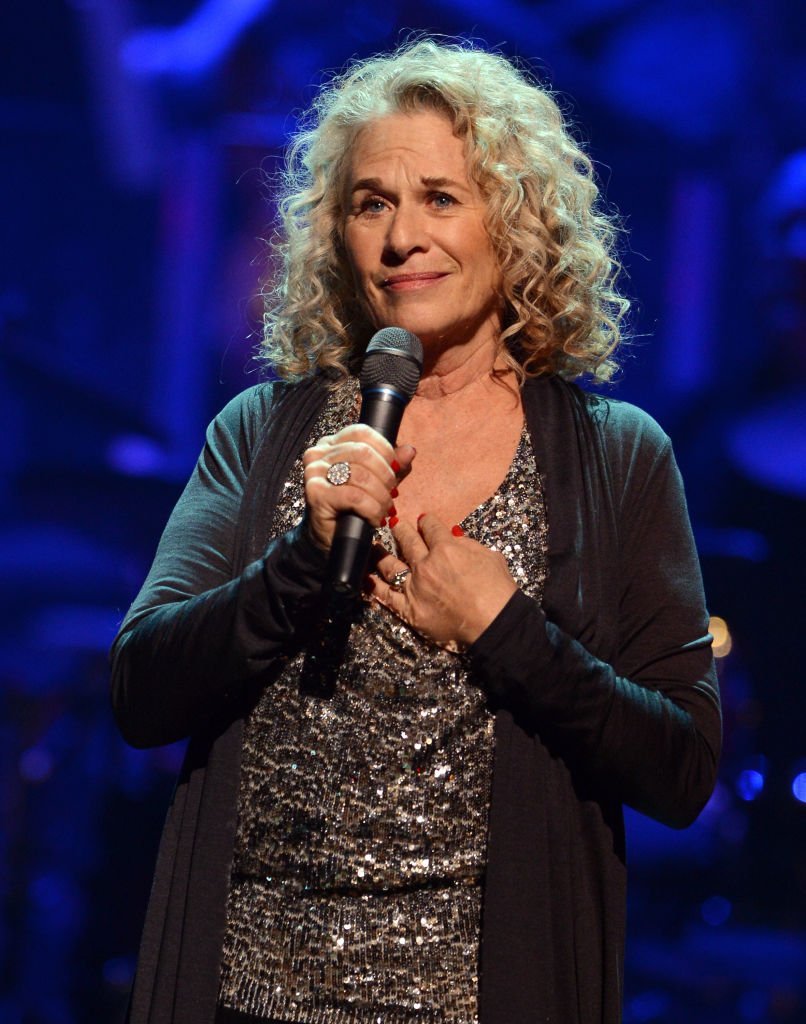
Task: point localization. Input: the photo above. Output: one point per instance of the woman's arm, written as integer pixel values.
(195, 634)
(647, 728)
(177, 663)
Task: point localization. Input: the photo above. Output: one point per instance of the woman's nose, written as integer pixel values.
(407, 231)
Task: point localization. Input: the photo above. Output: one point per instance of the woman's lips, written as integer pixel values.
(410, 282)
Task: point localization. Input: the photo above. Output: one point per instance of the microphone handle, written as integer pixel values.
(382, 409)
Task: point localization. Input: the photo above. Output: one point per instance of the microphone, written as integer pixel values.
(390, 374)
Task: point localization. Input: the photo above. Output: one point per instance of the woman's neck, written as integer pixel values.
(454, 371)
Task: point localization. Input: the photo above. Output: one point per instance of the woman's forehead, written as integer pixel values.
(424, 139)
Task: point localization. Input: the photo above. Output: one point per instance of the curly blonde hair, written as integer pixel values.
(554, 241)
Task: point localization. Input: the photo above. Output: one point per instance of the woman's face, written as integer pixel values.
(415, 234)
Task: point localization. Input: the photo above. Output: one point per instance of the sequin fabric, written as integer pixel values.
(359, 861)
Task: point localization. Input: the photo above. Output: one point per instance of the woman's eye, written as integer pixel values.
(373, 205)
(442, 201)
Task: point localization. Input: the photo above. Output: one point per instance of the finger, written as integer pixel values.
(363, 494)
(360, 433)
(432, 529)
(315, 452)
(357, 443)
(410, 544)
(386, 564)
(357, 453)
(367, 468)
(404, 456)
(396, 574)
(366, 473)
(377, 553)
(395, 600)
(369, 457)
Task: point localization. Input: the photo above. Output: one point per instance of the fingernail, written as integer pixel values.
(393, 522)
(395, 466)
(457, 531)
(383, 521)
(392, 511)
(394, 492)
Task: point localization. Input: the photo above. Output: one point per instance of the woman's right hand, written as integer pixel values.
(375, 470)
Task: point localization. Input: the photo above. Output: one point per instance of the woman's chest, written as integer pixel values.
(459, 464)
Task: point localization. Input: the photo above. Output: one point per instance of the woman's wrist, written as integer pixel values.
(514, 617)
(307, 535)
(488, 609)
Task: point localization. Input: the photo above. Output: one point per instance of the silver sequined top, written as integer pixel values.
(356, 884)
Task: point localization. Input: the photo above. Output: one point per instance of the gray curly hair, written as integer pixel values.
(554, 241)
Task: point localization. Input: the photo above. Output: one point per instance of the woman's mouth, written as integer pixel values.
(411, 282)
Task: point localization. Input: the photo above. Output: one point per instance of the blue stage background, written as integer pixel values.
(138, 142)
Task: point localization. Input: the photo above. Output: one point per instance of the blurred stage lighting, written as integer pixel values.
(749, 784)
(723, 641)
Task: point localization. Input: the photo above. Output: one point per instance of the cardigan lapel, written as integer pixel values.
(541, 960)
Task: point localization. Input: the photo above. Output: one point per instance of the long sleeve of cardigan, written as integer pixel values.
(195, 634)
(647, 728)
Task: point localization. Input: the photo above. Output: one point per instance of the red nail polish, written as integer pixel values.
(394, 492)
(395, 466)
(392, 511)
(457, 531)
(393, 522)
(383, 521)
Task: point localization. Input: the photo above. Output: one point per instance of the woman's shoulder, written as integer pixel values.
(238, 429)
(615, 433)
(249, 410)
(249, 407)
(622, 425)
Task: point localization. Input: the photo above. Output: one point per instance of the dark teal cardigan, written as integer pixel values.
(605, 694)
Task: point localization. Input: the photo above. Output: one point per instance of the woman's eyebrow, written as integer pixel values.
(376, 185)
(443, 183)
(367, 184)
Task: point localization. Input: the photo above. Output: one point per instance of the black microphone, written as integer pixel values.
(390, 374)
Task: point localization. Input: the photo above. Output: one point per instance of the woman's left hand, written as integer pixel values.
(455, 588)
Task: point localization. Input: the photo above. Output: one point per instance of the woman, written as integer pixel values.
(443, 839)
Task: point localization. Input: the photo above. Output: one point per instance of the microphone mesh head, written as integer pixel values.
(394, 358)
